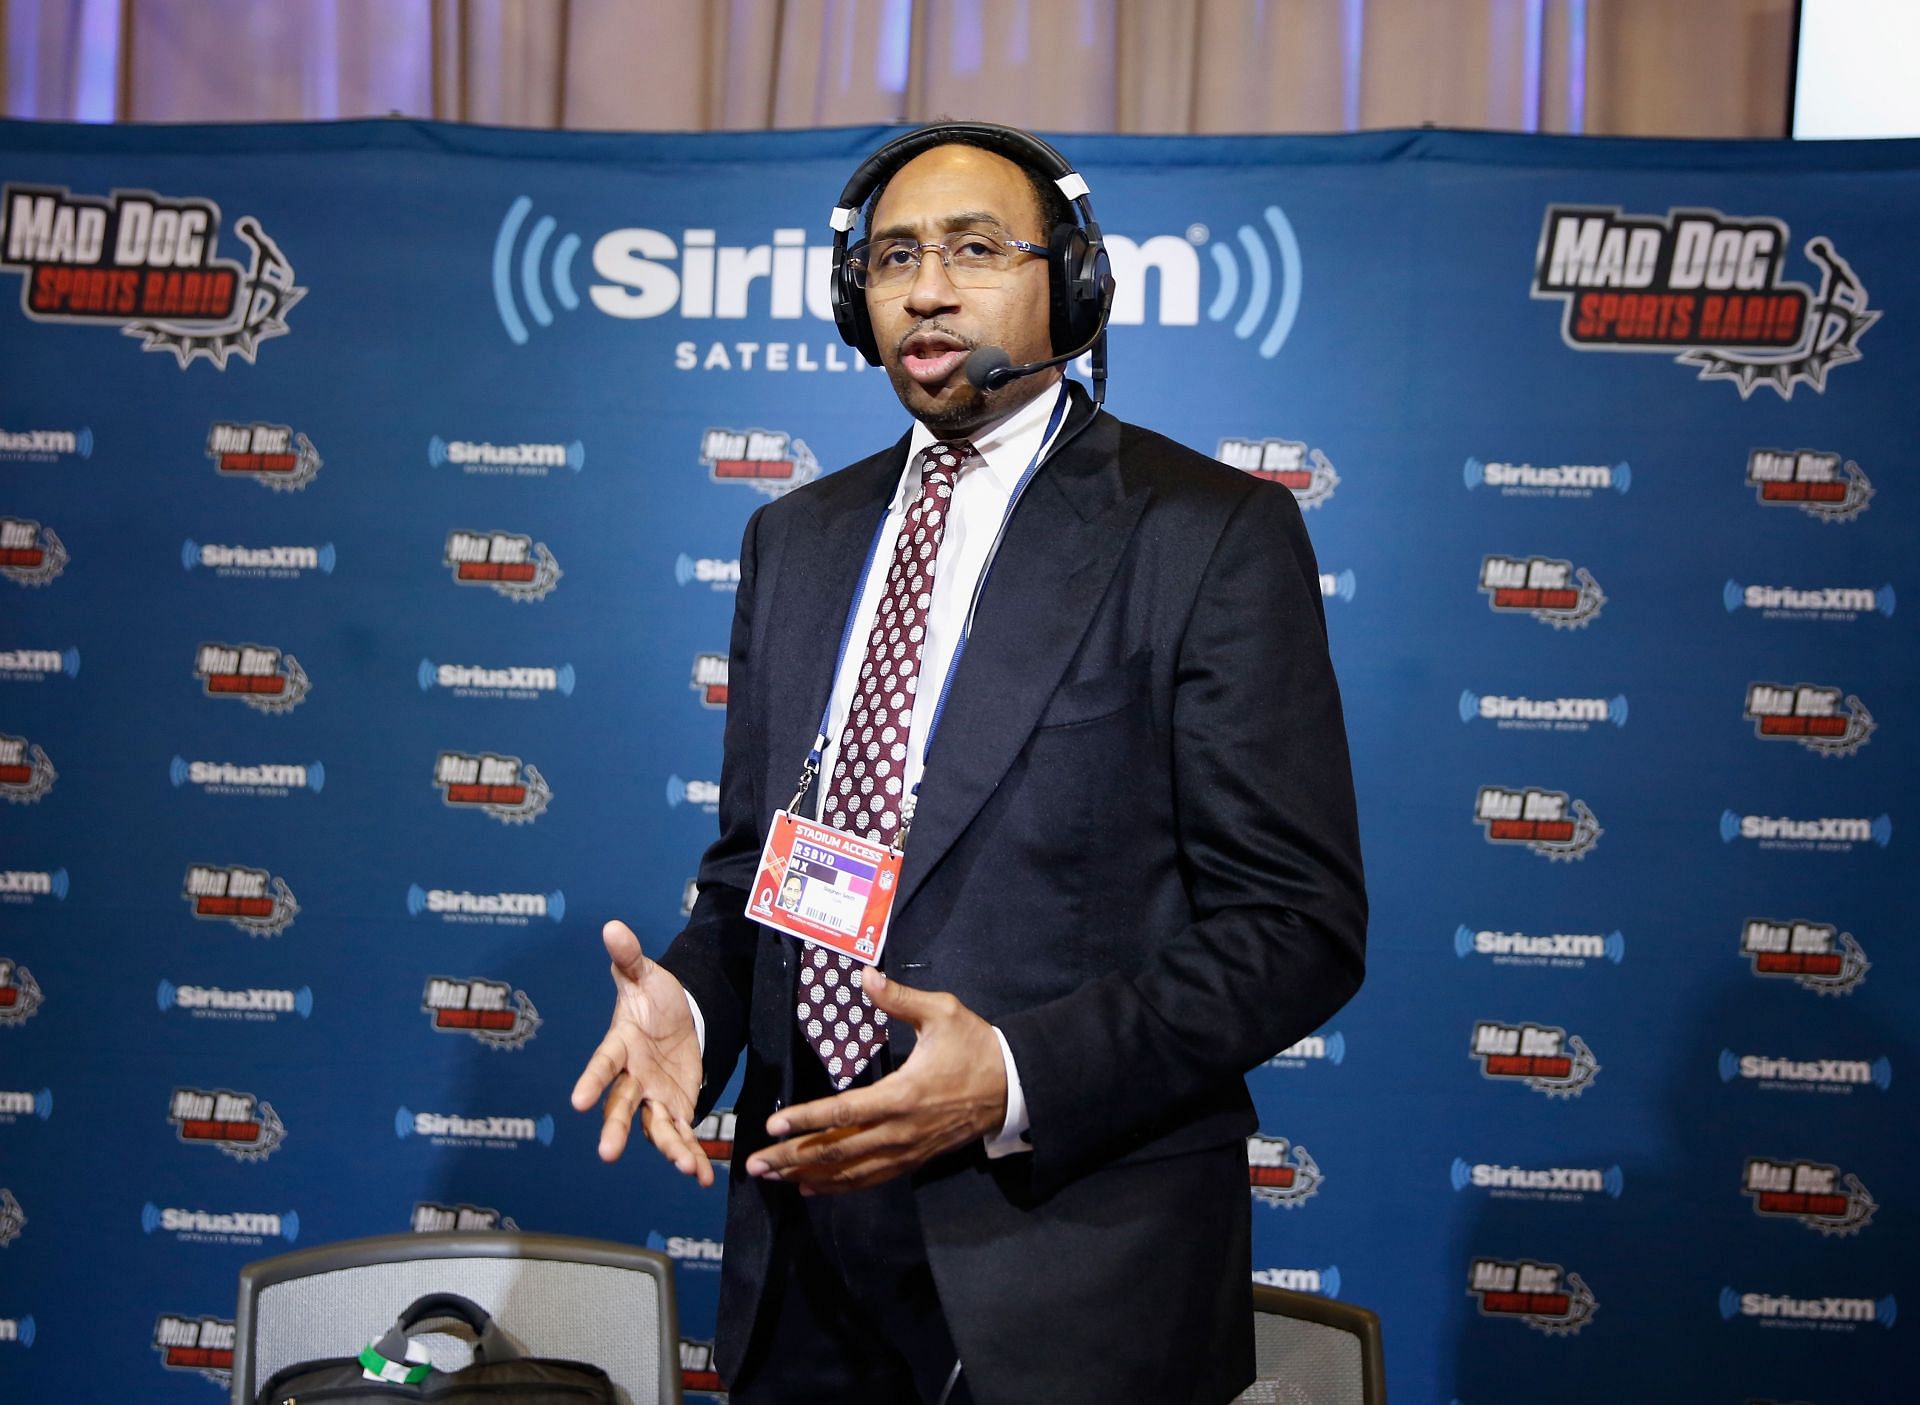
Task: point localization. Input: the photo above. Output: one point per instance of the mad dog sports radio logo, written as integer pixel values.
(710, 679)
(1543, 1057)
(503, 787)
(26, 774)
(1544, 1296)
(1826, 1314)
(239, 1124)
(20, 993)
(715, 1132)
(1816, 482)
(1549, 822)
(770, 461)
(13, 1218)
(1553, 591)
(1304, 472)
(1281, 1173)
(203, 1345)
(518, 567)
(432, 1217)
(262, 677)
(270, 454)
(1704, 288)
(493, 1012)
(148, 264)
(30, 554)
(257, 902)
(1810, 714)
(1816, 956)
(1819, 1196)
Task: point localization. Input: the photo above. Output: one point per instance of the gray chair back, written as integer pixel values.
(578, 1299)
(1313, 1351)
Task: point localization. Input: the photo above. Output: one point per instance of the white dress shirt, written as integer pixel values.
(981, 497)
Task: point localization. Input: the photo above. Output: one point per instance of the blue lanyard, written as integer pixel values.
(812, 767)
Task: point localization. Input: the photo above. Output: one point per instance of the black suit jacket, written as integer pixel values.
(1135, 852)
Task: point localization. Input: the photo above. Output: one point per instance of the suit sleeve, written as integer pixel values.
(1269, 846)
(713, 956)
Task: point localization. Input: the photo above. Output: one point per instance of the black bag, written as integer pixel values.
(499, 1375)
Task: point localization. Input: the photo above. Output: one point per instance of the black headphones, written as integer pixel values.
(1079, 281)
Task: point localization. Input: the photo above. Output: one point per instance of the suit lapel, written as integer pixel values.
(1061, 549)
(819, 572)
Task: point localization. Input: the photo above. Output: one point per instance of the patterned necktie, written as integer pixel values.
(863, 796)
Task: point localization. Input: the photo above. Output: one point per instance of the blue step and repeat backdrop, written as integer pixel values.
(370, 499)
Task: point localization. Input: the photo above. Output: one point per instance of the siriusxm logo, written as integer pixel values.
(1543, 714)
(25, 884)
(686, 1249)
(1323, 1281)
(1578, 480)
(45, 445)
(646, 273)
(524, 460)
(18, 1330)
(258, 562)
(1336, 586)
(34, 665)
(456, 905)
(1537, 1182)
(1315, 1048)
(705, 794)
(207, 1001)
(228, 778)
(211, 1227)
(1814, 1074)
(1825, 832)
(718, 572)
(15, 1104)
(1769, 1308)
(466, 680)
(1824, 602)
(1547, 949)
(449, 1129)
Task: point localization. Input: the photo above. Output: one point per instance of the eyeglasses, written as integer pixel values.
(972, 259)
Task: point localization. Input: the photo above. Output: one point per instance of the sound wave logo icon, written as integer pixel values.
(1263, 290)
(1337, 586)
(530, 263)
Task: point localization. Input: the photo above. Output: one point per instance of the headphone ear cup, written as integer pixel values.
(1076, 272)
(850, 314)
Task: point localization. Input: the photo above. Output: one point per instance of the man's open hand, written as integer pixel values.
(649, 1061)
(951, 1090)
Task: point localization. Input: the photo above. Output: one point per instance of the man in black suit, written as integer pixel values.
(1133, 875)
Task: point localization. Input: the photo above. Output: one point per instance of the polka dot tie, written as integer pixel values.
(863, 795)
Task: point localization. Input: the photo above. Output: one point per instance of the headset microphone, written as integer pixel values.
(990, 367)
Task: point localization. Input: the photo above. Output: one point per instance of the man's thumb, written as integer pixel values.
(900, 1001)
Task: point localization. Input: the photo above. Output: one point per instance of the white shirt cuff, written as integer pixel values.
(1013, 1132)
(699, 1021)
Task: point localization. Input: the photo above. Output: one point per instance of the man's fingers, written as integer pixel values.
(617, 1119)
(623, 947)
(818, 1152)
(674, 1139)
(901, 1002)
(861, 1105)
(601, 1070)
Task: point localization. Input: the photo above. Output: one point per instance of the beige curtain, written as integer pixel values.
(1635, 67)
